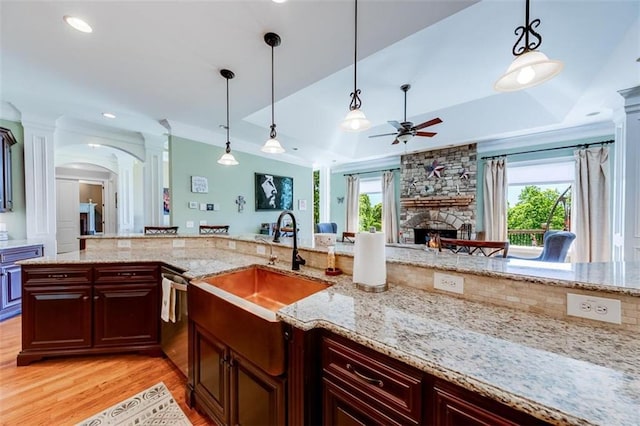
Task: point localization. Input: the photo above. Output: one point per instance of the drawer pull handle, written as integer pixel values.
(126, 274)
(376, 382)
(58, 276)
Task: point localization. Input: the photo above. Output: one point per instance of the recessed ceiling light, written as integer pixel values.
(591, 114)
(295, 149)
(78, 24)
(94, 145)
(278, 1)
(108, 115)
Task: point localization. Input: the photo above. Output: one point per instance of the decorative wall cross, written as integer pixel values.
(240, 202)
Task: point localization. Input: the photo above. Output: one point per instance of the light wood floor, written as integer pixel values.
(64, 391)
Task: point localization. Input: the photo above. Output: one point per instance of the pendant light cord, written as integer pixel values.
(272, 134)
(523, 32)
(228, 150)
(355, 98)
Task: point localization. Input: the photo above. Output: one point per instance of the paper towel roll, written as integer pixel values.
(369, 263)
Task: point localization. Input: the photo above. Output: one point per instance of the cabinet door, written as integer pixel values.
(343, 409)
(56, 317)
(126, 314)
(256, 397)
(211, 374)
(11, 289)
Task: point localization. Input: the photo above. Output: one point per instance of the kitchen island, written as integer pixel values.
(559, 371)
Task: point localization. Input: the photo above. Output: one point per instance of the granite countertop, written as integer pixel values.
(561, 372)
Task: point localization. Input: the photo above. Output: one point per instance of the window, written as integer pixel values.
(535, 188)
(370, 204)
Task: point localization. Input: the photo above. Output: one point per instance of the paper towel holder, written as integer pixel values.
(372, 288)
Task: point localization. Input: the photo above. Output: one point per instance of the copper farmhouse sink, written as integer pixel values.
(239, 308)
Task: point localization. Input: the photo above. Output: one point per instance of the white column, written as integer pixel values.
(40, 180)
(125, 197)
(618, 213)
(631, 154)
(325, 194)
(153, 180)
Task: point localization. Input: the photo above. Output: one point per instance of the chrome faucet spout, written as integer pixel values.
(272, 257)
(296, 259)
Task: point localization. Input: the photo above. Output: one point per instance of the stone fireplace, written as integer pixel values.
(438, 193)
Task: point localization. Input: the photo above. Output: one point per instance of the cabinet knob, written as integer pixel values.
(371, 381)
(85, 298)
(96, 297)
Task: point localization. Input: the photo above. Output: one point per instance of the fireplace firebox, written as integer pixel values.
(421, 235)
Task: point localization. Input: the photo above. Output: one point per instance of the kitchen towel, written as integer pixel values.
(369, 263)
(168, 312)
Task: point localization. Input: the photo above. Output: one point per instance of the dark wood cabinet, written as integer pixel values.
(11, 277)
(456, 406)
(81, 309)
(6, 196)
(211, 374)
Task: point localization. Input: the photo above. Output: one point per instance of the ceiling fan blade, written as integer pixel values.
(386, 134)
(428, 123)
(427, 134)
(396, 124)
(395, 141)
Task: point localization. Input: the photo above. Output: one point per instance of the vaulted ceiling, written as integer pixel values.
(151, 60)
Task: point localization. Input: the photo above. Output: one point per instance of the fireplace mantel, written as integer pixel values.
(438, 201)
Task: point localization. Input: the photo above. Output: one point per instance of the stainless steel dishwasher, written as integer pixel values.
(174, 336)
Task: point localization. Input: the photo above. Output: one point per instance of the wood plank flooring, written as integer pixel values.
(64, 391)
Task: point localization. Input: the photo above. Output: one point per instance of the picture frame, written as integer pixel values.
(199, 184)
(193, 204)
(302, 204)
(273, 192)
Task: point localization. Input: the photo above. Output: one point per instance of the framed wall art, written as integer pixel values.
(199, 184)
(273, 192)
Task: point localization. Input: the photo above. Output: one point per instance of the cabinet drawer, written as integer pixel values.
(374, 376)
(20, 253)
(38, 275)
(126, 273)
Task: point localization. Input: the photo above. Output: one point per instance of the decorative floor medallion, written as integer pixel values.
(153, 406)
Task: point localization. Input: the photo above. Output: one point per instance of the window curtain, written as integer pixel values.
(389, 210)
(353, 202)
(590, 210)
(495, 200)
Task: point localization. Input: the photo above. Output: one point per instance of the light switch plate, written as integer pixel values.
(216, 207)
(260, 249)
(124, 243)
(190, 224)
(232, 245)
(203, 206)
(178, 243)
(446, 282)
(595, 308)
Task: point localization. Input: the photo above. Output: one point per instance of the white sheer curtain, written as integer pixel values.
(495, 199)
(389, 210)
(353, 202)
(590, 210)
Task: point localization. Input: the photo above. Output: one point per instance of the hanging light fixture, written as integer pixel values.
(355, 121)
(529, 68)
(272, 146)
(227, 158)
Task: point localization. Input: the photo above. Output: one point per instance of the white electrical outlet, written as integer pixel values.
(124, 243)
(448, 282)
(595, 308)
(190, 224)
(216, 207)
(232, 245)
(260, 249)
(178, 243)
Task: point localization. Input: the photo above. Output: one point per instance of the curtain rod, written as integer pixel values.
(372, 171)
(581, 145)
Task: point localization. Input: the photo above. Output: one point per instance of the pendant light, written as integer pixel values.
(227, 158)
(272, 146)
(355, 121)
(529, 68)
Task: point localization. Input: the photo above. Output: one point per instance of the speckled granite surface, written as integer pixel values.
(560, 372)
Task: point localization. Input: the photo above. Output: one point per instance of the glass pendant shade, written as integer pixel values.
(528, 70)
(405, 137)
(272, 146)
(228, 159)
(355, 121)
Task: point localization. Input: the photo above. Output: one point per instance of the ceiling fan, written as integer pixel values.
(406, 129)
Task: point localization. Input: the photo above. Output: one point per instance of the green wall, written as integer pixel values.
(566, 152)
(191, 158)
(16, 220)
(339, 189)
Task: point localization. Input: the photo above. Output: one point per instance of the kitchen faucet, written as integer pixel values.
(272, 257)
(296, 260)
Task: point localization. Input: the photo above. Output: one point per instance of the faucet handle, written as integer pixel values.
(300, 260)
(272, 259)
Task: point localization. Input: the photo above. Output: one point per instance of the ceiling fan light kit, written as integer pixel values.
(227, 159)
(355, 121)
(272, 146)
(529, 68)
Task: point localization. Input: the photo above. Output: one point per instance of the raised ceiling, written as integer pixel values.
(151, 60)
